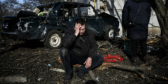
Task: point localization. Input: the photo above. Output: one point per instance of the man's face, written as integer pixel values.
(82, 29)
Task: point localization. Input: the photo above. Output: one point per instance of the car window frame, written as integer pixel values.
(81, 5)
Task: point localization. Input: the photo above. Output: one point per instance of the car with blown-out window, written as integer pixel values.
(48, 23)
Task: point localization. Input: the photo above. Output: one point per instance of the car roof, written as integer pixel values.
(75, 3)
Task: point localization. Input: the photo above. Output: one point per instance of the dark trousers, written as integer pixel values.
(69, 59)
(134, 46)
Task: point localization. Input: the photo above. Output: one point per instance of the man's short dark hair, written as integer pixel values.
(80, 20)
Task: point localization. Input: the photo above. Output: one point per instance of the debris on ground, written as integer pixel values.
(38, 64)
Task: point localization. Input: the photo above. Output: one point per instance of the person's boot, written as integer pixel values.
(80, 75)
(143, 59)
(68, 77)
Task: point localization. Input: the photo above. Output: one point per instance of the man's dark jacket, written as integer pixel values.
(140, 30)
(79, 47)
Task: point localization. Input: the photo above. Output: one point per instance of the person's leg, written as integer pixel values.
(96, 62)
(134, 46)
(65, 57)
(143, 49)
(67, 60)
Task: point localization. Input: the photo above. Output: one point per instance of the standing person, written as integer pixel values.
(79, 47)
(135, 18)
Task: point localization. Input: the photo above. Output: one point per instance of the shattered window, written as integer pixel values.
(64, 12)
(91, 11)
(43, 10)
(84, 11)
(87, 11)
(68, 10)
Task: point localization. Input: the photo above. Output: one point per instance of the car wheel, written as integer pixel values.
(110, 34)
(53, 40)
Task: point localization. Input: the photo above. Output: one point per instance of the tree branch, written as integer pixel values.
(167, 8)
(161, 7)
(124, 67)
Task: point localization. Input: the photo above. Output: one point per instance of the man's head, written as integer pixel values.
(82, 25)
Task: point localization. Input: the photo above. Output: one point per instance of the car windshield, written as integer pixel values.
(86, 11)
(67, 10)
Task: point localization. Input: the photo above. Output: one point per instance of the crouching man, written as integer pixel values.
(79, 47)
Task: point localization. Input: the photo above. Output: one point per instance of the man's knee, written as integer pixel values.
(101, 58)
(63, 51)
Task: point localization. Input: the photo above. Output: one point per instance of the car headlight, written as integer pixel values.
(5, 25)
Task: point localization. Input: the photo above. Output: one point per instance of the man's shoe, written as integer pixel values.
(143, 59)
(68, 77)
(80, 75)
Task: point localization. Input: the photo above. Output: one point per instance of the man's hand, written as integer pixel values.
(88, 62)
(77, 26)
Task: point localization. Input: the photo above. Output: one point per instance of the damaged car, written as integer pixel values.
(48, 23)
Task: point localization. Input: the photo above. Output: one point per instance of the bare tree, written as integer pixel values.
(161, 9)
(29, 5)
(10, 7)
(51, 1)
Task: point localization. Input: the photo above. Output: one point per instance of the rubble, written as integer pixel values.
(13, 79)
(42, 65)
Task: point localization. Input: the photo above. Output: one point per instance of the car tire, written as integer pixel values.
(110, 34)
(53, 40)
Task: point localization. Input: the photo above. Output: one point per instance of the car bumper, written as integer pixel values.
(15, 35)
(11, 35)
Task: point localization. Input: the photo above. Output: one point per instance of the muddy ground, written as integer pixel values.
(32, 61)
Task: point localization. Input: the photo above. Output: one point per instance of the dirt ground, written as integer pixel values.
(35, 63)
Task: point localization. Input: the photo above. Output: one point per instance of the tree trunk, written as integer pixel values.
(161, 11)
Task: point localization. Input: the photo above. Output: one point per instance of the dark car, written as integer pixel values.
(48, 23)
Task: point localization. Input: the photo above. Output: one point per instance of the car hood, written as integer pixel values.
(12, 16)
(105, 15)
(21, 14)
(26, 14)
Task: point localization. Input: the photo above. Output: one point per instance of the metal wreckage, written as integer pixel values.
(47, 23)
